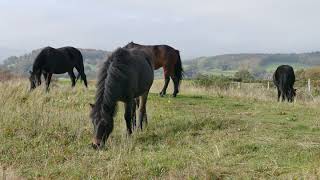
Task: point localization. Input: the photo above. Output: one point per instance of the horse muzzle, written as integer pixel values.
(97, 144)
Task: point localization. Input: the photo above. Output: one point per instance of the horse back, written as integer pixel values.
(73, 53)
(166, 57)
(57, 61)
(284, 76)
(142, 71)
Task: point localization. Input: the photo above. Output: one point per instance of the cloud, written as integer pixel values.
(202, 27)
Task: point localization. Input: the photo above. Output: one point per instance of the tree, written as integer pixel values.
(243, 75)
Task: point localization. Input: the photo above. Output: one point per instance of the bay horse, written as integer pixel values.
(57, 61)
(169, 59)
(127, 74)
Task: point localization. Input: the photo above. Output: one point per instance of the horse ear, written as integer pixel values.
(91, 105)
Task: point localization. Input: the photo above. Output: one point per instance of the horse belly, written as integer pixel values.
(58, 67)
(157, 65)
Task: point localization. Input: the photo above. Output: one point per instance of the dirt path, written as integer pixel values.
(8, 174)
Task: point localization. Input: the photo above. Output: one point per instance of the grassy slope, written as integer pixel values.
(48, 135)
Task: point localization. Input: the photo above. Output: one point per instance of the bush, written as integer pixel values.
(6, 75)
(311, 73)
(243, 76)
(208, 81)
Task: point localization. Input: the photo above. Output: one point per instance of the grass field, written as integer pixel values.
(203, 133)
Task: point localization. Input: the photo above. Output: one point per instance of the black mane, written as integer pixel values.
(124, 76)
(113, 69)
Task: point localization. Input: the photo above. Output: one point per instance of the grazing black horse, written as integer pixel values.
(283, 79)
(126, 75)
(57, 61)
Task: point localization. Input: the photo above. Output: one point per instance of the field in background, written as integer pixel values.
(203, 133)
(296, 66)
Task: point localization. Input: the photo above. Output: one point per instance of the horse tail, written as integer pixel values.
(178, 70)
(75, 53)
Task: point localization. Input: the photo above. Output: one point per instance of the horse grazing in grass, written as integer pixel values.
(283, 79)
(126, 75)
(169, 59)
(57, 61)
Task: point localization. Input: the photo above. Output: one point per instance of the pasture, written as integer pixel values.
(203, 133)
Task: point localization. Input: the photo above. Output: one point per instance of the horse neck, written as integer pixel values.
(108, 105)
(37, 65)
(109, 98)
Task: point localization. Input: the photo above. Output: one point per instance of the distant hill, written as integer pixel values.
(23, 64)
(259, 64)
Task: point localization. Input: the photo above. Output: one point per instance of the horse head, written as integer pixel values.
(100, 127)
(291, 94)
(33, 81)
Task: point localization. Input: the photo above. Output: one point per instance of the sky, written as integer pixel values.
(195, 27)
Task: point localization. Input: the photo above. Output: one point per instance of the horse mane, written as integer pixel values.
(111, 71)
(37, 60)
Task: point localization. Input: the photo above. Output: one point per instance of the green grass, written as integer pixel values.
(191, 136)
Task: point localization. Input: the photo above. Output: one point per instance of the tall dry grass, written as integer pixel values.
(201, 134)
(6, 75)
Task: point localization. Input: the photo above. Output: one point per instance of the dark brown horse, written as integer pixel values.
(169, 59)
(57, 61)
(125, 76)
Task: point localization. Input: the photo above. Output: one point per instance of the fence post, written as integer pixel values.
(268, 85)
(239, 85)
(309, 85)
(4, 173)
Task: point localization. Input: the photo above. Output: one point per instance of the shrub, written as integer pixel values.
(207, 81)
(243, 76)
(6, 75)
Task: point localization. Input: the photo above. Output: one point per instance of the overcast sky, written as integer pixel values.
(195, 27)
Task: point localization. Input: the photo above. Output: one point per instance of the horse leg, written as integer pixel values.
(176, 85)
(45, 75)
(48, 81)
(283, 96)
(38, 76)
(166, 82)
(128, 115)
(142, 110)
(133, 113)
(279, 94)
(136, 106)
(80, 70)
(73, 78)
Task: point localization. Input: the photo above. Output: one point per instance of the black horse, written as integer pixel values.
(283, 79)
(126, 75)
(57, 61)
